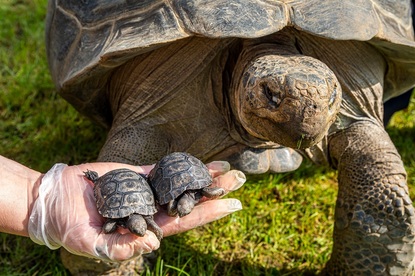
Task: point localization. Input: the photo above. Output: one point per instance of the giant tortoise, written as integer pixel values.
(254, 82)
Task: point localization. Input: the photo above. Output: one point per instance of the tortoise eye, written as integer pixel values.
(271, 96)
(267, 92)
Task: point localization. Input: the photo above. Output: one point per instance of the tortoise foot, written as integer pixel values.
(212, 193)
(110, 226)
(259, 161)
(137, 225)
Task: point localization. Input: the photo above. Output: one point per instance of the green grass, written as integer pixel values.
(284, 229)
(33, 117)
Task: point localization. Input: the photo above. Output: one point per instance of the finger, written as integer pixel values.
(144, 169)
(230, 181)
(202, 214)
(217, 168)
(119, 247)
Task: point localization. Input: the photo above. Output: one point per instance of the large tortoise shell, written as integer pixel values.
(87, 40)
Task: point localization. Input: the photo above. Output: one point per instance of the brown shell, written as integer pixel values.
(87, 40)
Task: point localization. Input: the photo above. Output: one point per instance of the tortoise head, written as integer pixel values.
(288, 99)
(91, 175)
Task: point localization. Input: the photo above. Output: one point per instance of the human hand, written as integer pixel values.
(65, 213)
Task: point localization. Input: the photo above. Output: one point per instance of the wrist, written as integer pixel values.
(32, 195)
(18, 190)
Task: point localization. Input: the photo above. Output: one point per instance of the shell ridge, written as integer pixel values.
(60, 79)
(398, 28)
(179, 20)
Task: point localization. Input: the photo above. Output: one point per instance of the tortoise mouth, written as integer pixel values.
(290, 105)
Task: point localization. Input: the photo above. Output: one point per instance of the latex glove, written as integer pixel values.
(65, 213)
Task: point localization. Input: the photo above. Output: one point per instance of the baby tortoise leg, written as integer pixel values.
(374, 219)
(187, 202)
(137, 224)
(110, 226)
(172, 207)
(152, 226)
(212, 193)
(183, 205)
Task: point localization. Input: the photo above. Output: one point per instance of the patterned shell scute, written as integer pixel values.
(122, 192)
(176, 173)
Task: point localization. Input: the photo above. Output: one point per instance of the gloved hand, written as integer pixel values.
(65, 213)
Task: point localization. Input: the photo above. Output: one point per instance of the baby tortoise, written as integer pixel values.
(125, 199)
(180, 180)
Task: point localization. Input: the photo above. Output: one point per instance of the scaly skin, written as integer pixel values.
(374, 230)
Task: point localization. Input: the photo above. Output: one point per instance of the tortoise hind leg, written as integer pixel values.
(121, 145)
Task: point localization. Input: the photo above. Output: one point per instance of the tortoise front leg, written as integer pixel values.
(137, 224)
(184, 204)
(152, 226)
(110, 226)
(187, 202)
(172, 207)
(374, 219)
(213, 192)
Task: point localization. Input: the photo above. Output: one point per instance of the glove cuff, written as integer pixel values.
(38, 221)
